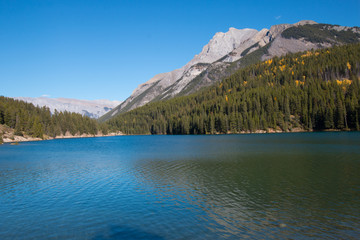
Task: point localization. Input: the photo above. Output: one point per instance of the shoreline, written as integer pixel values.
(19, 139)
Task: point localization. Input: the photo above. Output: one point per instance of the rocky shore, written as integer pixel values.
(7, 135)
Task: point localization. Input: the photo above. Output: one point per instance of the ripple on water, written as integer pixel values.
(182, 187)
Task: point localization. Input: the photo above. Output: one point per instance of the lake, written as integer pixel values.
(272, 186)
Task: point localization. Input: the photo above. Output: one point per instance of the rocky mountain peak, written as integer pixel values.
(305, 22)
(227, 50)
(223, 43)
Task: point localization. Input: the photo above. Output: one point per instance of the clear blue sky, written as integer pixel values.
(104, 49)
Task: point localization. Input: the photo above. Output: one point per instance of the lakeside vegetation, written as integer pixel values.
(26, 119)
(313, 90)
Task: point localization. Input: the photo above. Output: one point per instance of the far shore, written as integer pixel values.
(18, 139)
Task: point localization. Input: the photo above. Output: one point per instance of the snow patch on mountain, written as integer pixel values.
(90, 108)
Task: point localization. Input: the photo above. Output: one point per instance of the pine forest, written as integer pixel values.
(26, 119)
(308, 91)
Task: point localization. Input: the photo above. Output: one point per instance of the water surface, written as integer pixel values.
(287, 186)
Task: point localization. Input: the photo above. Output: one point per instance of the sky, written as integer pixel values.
(104, 49)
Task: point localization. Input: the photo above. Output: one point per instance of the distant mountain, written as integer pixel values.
(89, 108)
(230, 51)
(22, 121)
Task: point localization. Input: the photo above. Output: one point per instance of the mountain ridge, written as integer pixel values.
(314, 90)
(89, 108)
(227, 52)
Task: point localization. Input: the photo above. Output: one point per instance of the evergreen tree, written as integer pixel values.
(314, 90)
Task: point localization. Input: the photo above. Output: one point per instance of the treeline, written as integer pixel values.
(313, 90)
(26, 119)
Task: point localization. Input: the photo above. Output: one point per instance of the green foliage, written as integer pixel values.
(315, 90)
(27, 119)
(321, 33)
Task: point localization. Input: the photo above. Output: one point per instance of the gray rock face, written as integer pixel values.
(222, 49)
(90, 108)
(160, 85)
(220, 45)
(281, 46)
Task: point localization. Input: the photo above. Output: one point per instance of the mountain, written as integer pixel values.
(227, 52)
(89, 108)
(307, 91)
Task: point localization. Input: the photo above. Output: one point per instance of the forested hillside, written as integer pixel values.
(313, 90)
(26, 119)
(233, 50)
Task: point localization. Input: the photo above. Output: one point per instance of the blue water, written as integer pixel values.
(280, 186)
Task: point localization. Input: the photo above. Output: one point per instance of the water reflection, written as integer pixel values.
(126, 233)
(295, 192)
(182, 187)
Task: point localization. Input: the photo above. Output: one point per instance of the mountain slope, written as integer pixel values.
(89, 108)
(312, 90)
(227, 52)
(285, 39)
